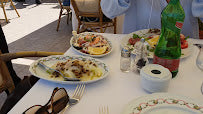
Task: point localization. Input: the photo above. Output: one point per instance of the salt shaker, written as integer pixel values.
(125, 60)
(141, 55)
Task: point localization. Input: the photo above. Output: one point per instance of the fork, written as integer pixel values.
(103, 110)
(77, 95)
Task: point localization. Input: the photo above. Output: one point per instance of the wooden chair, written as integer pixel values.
(84, 25)
(13, 86)
(68, 13)
(6, 82)
(2, 5)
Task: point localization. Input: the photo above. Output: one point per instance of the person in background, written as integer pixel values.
(144, 14)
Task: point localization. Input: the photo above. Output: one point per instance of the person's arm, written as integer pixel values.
(197, 9)
(113, 8)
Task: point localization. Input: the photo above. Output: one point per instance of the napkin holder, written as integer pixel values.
(155, 78)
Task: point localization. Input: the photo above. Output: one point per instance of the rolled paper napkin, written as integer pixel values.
(155, 78)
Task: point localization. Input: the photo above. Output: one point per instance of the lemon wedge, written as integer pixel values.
(97, 50)
(153, 41)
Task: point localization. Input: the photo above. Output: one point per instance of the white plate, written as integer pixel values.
(51, 60)
(164, 103)
(185, 52)
(109, 42)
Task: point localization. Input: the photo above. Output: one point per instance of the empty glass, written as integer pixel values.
(199, 60)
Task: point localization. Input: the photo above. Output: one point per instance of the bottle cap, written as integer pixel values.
(142, 40)
(125, 52)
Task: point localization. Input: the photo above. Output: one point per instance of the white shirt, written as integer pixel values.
(138, 13)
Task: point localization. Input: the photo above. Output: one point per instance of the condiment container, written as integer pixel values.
(140, 60)
(155, 78)
(125, 60)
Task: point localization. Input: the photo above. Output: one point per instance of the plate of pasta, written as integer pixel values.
(86, 69)
(91, 44)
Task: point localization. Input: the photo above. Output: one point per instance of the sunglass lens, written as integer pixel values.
(60, 100)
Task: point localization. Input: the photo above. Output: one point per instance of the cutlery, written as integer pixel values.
(103, 110)
(77, 95)
(51, 69)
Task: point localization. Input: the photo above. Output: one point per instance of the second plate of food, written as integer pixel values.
(91, 44)
(151, 37)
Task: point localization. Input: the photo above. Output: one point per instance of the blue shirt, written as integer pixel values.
(143, 14)
(66, 2)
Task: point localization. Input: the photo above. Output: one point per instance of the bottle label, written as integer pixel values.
(179, 24)
(171, 64)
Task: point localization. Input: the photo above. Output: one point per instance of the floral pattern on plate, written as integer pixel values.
(163, 103)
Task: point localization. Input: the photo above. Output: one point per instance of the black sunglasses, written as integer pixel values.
(56, 103)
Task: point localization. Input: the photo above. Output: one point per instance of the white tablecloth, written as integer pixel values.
(118, 88)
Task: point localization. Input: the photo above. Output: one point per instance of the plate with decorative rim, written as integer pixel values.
(164, 103)
(73, 41)
(50, 61)
(145, 33)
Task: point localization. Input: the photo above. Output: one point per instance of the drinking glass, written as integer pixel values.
(199, 60)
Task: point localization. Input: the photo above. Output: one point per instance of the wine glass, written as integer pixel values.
(199, 60)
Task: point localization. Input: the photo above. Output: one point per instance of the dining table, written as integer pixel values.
(118, 88)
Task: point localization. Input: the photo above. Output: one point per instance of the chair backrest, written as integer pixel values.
(87, 8)
(91, 6)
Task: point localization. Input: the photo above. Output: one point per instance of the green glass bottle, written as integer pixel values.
(168, 49)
